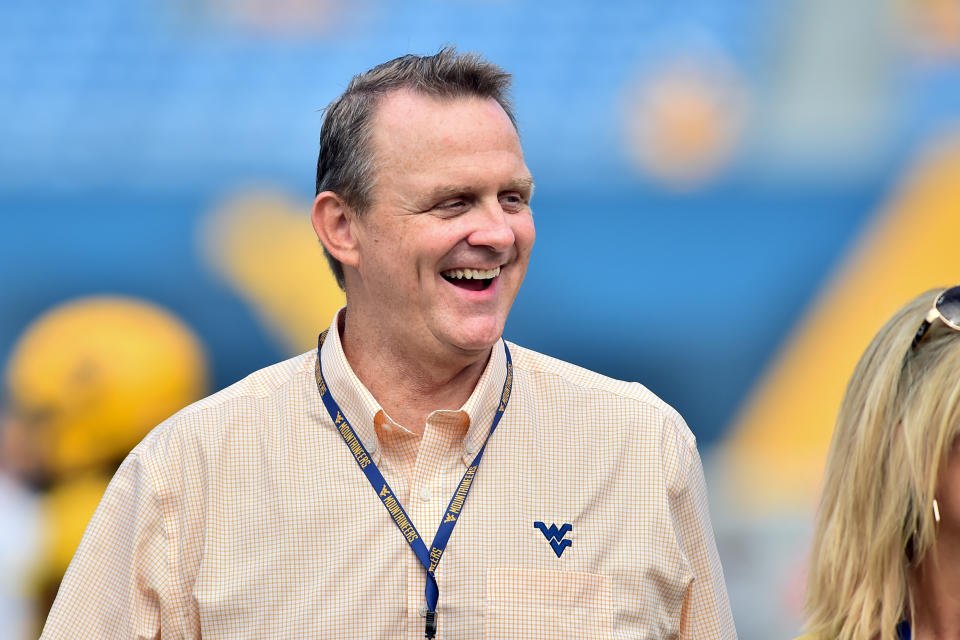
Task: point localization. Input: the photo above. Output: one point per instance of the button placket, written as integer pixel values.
(424, 473)
(430, 493)
(393, 471)
(419, 515)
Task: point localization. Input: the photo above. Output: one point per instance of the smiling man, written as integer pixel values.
(416, 475)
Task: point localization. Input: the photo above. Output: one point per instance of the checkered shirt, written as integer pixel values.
(246, 516)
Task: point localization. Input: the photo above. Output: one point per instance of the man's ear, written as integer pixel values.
(333, 222)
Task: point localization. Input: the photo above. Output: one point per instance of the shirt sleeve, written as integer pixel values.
(706, 610)
(117, 581)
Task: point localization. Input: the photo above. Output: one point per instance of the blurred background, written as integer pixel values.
(732, 196)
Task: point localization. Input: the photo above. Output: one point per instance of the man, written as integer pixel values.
(416, 475)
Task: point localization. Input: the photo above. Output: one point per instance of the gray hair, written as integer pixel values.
(345, 163)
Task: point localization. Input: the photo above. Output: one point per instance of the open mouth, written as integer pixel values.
(471, 279)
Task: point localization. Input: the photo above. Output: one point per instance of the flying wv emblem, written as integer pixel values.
(555, 536)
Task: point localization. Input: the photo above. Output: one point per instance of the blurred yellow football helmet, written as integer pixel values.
(65, 511)
(91, 377)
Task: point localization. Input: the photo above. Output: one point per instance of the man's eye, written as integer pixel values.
(512, 201)
(453, 206)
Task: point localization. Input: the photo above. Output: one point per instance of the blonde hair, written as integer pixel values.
(897, 422)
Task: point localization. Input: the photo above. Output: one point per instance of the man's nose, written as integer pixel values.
(492, 227)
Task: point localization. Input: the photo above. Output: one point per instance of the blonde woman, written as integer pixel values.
(885, 562)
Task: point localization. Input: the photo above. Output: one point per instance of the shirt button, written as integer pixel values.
(422, 610)
(426, 494)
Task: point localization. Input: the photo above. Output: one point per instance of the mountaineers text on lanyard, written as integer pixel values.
(430, 559)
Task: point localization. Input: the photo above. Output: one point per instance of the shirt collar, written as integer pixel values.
(483, 402)
(360, 407)
(356, 402)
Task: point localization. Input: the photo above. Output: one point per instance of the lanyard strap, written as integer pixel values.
(903, 631)
(430, 559)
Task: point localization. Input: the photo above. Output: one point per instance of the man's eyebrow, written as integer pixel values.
(450, 190)
(447, 191)
(520, 184)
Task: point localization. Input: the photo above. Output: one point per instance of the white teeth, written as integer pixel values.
(472, 274)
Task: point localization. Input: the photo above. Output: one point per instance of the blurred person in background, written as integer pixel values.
(20, 529)
(246, 515)
(84, 383)
(885, 559)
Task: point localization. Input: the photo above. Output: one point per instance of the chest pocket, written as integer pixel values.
(535, 603)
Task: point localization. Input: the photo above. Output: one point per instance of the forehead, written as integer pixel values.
(410, 128)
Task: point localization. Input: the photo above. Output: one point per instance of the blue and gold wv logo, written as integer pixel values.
(555, 536)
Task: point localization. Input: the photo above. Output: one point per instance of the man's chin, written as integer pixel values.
(476, 337)
(476, 345)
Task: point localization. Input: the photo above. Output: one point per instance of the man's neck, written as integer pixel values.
(409, 386)
(937, 591)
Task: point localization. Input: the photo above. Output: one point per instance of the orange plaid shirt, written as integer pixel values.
(246, 516)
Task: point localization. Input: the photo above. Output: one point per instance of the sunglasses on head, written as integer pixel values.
(946, 308)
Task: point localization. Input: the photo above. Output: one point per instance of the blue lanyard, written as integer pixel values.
(903, 631)
(430, 559)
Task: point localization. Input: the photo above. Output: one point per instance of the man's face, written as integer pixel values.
(445, 245)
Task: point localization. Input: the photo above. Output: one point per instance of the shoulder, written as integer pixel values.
(249, 404)
(631, 402)
(269, 382)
